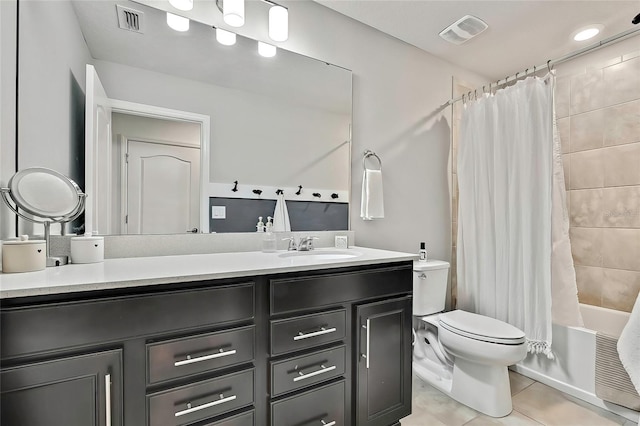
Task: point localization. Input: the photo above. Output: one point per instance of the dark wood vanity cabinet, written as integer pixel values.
(273, 350)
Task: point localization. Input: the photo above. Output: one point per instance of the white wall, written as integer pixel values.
(51, 129)
(7, 107)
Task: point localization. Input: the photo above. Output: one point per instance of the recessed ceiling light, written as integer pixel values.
(585, 33)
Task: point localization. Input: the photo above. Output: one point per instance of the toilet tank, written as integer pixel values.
(429, 286)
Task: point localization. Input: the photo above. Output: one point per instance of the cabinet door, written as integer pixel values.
(82, 390)
(384, 362)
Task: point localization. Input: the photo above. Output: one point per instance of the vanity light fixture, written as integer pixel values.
(225, 37)
(233, 15)
(278, 23)
(233, 12)
(182, 4)
(585, 33)
(178, 23)
(266, 50)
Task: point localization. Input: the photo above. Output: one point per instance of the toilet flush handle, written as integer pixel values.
(422, 276)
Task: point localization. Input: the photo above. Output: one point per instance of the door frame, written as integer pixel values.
(150, 111)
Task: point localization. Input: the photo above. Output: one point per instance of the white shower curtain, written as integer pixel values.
(505, 176)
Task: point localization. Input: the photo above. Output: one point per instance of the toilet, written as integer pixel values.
(463, 354)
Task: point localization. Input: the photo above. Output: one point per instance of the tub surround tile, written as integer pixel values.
(621, 207)
(587, 91)
(563, 96)
(621, 82)
(589, 280)
(587, 169)
(620, 289)
(586, 246)
(621, 249)
(586, 208)
(566, 166)
(564, 131)
(631, 55)
(587, 131)
(550, 407)
(622, 123)
(622, 165)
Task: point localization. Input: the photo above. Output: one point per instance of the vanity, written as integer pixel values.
(233, 339)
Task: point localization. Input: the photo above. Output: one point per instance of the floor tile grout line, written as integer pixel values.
(529, 417)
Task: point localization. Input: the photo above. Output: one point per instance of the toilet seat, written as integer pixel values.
(480, 327)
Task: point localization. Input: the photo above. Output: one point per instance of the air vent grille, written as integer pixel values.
(130, 19)
(463, 29)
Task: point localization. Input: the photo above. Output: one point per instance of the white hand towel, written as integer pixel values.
(629, 346)
(281, 215)
(372, 205)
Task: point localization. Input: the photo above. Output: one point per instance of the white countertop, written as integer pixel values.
(142, 271)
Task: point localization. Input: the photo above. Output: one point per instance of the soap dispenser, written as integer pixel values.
(260, 225)
(269, 242)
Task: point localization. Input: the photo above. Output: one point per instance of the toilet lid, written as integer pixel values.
(481, 327)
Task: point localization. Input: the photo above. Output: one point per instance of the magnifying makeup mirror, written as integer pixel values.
(46, 197)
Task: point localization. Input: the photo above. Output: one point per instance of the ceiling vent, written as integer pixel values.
(130, 19)
(463, 29)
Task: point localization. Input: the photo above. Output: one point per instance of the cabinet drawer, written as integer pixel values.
(192, 355)
(296, 373)
(317, 291)
(307, 331)
(245, 419)
(30, 330)
(320, 406)
(201, 400)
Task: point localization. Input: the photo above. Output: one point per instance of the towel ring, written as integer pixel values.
(368, 153)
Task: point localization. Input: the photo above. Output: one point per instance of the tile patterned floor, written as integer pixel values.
(534, 404)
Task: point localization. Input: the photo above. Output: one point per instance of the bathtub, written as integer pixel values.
(573, 369)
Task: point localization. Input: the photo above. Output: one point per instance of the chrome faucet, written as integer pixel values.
(293, 246)
(306, 243)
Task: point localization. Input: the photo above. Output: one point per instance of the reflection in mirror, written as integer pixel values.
(273, 123)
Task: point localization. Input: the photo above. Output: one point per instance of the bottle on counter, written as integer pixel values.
(422, 252)
(260, 225)
(269, 242)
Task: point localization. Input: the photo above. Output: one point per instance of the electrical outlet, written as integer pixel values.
(341, 241)
(218, 212)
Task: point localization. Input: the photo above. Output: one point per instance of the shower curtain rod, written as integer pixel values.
(613, 39)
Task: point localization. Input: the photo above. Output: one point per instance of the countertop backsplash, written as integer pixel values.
(121, 246)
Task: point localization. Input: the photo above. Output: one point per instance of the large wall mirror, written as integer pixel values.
(175, 119)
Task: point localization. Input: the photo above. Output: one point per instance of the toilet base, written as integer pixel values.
(485, 388)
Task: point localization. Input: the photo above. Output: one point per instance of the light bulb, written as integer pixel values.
(233, 12)
(177, 23)
(182, 4)
(586, 34)
(278, 23)
(225, 37)
(266, 50)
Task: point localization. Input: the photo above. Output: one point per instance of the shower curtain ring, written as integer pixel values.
(526, 72)
(549, 65)
(475, 94)
(517, 75)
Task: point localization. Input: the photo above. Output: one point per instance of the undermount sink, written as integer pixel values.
(321, 254)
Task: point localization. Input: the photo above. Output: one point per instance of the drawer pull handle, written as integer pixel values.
(366, 354)
(190, 360)
(320, 332)
(190, 409)
(328, 424)
(322, 370)
(107, 399)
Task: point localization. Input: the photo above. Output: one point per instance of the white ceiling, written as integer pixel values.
(521, 34)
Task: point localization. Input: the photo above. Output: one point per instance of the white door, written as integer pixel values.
(162, 187)
(97, 155)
